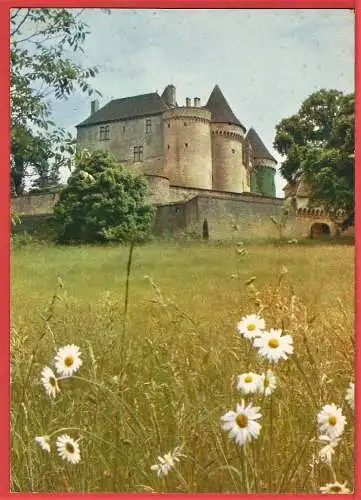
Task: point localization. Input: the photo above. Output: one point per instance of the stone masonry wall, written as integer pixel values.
(124, 136)
(34, 205)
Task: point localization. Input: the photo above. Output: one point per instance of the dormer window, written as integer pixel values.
(148, 126)
(104, 133)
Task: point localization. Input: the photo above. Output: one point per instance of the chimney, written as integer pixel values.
(188, 101)
(94, 106)
(197, 102)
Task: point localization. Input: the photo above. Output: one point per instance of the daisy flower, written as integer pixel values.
(68, 449)
(67, 360)
(166, 463)
(268, 383)
(328, 451)
(335, 488)
(49, 382)
(248, 383)
(250, 326)
(43, 442)
(273, 345)
(242, 423)
(331, 421)
(350, 395)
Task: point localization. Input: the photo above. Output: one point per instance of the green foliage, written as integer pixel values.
(42, 42)
(102, 202)
(318, 144)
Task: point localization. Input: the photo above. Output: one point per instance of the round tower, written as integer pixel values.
(187, 146)
(229, 170)
(264, 166)
(229, 173)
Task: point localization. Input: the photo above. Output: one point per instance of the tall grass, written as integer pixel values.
(165, 376)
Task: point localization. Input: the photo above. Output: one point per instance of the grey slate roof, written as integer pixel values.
(220, 109)
(128, 107)
(259, 149)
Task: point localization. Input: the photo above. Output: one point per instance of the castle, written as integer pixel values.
(208, 176)
(189, 147)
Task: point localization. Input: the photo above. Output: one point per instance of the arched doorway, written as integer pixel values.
(320, 230)
(205, 231)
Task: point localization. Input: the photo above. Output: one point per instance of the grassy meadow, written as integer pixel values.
(164, 377)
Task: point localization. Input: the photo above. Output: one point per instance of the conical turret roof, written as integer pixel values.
(259, 149)
(220, 109)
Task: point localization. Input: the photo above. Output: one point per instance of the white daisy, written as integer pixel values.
(273, 345)
(268, 383)
(68, 449)
(335, 488)
(248, 383)
(49, 381)
(166, 463)
(242, 423)
(67, 360)
(250, 326)
(350, 395)
(331, 421)
(328, 451)
(43, 442)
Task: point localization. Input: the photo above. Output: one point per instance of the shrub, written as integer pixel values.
(102, 202)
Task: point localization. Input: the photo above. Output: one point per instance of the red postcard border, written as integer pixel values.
(5, 5)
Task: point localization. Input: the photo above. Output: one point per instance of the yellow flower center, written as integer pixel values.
(335, 489)
(251, 327)
(69, 448)
(273, 343)
(332, 420)
(241, 420)
(68, 361)
(52, 381)
(248, 379)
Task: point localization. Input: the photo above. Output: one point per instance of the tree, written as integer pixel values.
(42, 68)
(318, 145)
(102, 202)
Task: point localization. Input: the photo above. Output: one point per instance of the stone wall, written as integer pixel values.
(34, 205)
(180, 193)
(124, 136)
(228, 215)
(230, 218)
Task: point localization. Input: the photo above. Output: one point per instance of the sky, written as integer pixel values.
(266, 62)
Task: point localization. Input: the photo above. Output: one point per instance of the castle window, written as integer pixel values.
(168, 125)
(104, 132)
(233, 151)
(168, 146)
(186, 144)
(123, 129)
(185, 124)
(138, 153)
(148, 126)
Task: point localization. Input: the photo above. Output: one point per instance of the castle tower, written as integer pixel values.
(228, 168)
(187, 146)
(264, 166)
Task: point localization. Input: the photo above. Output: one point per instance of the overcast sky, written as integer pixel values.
(265, 61)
